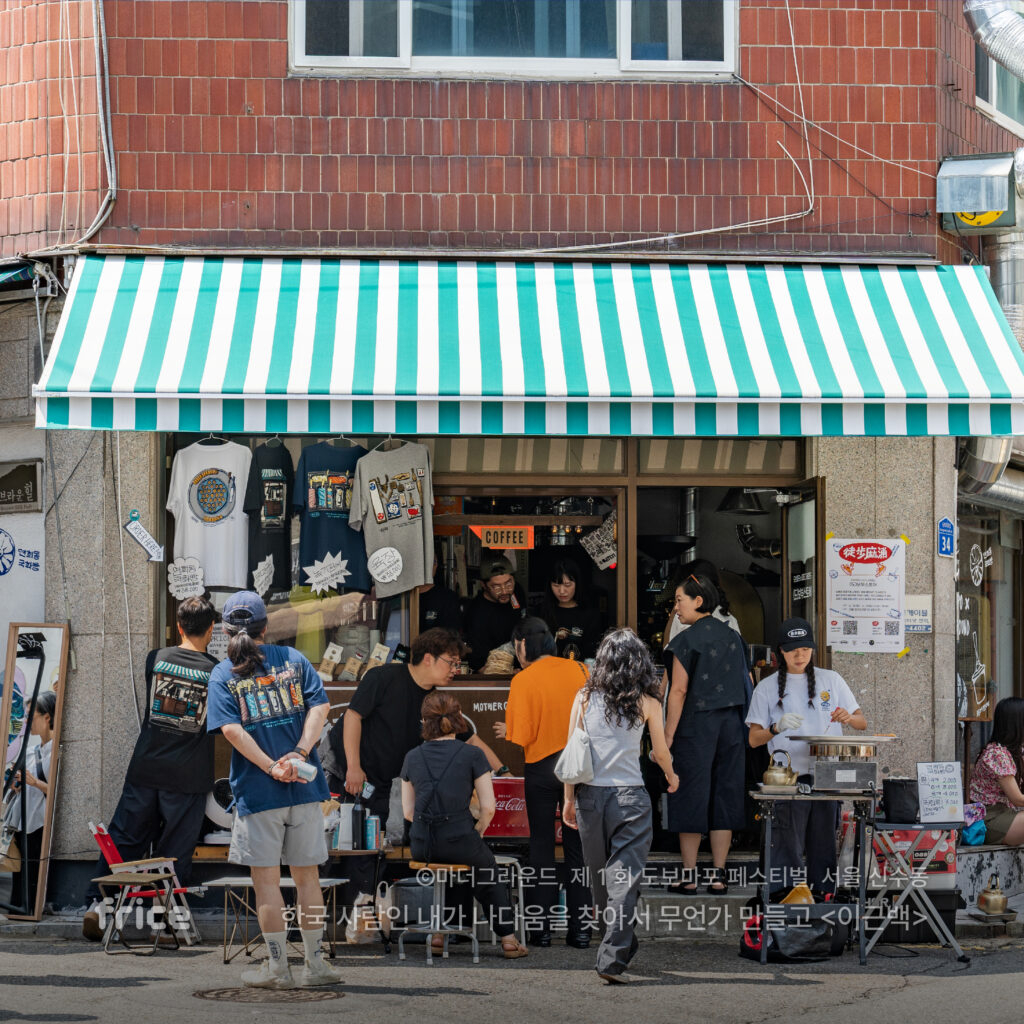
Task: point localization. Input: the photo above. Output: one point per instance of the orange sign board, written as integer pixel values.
(504, 537)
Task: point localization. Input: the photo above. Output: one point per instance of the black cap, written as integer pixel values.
(796, 633)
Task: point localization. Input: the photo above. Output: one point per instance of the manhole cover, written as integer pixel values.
(268, 995)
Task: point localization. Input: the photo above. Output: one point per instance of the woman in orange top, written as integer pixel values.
(537, 719)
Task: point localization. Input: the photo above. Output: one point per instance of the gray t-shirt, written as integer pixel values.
(391, 503)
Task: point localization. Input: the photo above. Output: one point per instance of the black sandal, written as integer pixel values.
(686, 886)
(719, 886)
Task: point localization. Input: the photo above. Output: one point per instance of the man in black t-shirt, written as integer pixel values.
(492, 615)
(171, 771)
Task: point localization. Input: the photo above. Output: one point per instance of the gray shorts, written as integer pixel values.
(283, 835)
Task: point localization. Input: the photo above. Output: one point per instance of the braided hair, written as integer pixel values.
(782, 678)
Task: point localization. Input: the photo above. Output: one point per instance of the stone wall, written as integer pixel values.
(884, 487)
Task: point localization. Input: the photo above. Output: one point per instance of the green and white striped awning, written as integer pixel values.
(531, 348)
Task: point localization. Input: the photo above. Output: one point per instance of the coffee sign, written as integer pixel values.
(505, 538)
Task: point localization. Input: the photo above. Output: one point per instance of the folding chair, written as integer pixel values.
(176, 904)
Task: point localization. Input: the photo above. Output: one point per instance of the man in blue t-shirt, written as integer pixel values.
(270, 705)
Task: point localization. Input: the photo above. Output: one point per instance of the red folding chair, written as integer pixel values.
(140, 894)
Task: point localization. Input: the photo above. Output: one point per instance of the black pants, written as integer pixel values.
(31, 846)
(145, 817)
(543, 795)
(709, 754)
(490, 892)
(804, 845)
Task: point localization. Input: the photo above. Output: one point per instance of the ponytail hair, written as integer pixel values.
(442, 716)
(243, 651)
(811, 686)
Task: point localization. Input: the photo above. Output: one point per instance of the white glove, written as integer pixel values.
(790, 720)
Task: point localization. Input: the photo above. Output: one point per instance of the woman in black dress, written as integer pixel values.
(439, 778)
(575, 626)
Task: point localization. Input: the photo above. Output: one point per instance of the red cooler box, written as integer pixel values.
(941, 871)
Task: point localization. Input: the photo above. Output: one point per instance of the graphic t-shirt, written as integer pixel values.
(206, 501)
(577, 631)
(272, 708)
(831, 692)
(323, 496)
(174, 751)
(391, 504)
(268, 503)
(441, 607)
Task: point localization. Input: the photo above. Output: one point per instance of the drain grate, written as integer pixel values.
(268, 995)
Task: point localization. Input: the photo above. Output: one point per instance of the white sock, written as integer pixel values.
(311, 943)
(277, 949)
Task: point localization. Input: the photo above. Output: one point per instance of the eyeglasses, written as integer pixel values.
(451, 663)
(502, 588)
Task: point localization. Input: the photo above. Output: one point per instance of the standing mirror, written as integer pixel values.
(31, 698)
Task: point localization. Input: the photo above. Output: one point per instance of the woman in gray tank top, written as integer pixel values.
(613, 810)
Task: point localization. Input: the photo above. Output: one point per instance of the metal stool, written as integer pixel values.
(441, 873)
(515, 881)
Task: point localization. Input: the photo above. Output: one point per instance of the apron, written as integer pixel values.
(441, 826)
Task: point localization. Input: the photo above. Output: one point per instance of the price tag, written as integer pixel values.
(263, 575)
(331, 572)
(185, 578)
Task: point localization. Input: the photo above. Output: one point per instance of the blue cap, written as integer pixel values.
(246, 608)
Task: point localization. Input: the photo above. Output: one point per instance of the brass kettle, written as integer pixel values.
(776, 775)
(992, 899)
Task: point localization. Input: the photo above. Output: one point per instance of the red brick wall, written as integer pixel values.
(218, 147)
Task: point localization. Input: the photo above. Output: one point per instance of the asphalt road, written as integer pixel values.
(46, 980)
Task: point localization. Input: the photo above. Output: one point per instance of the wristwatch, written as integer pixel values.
(502, 770)
(773, 730)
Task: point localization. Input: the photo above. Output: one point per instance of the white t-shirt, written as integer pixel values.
(832, 692)
(37, 763)
(205, 497)
(676, 627)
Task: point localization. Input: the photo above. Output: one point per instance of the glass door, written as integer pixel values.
(802, 540)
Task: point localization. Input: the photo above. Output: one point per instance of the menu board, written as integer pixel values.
(940, 791)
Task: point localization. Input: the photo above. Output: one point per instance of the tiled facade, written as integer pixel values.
(217, 146)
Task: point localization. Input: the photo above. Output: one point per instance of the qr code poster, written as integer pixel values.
(866, 582)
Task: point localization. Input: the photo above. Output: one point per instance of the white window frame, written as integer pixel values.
(990, 110)
(405, 64)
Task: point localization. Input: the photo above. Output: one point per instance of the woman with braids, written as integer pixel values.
(613, 810)
(708, 677)
(814, 702)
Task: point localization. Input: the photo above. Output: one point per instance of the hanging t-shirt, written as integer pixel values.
(268, 503)
(391, 504)
(206, 501)
(322, 496)
(174, 751)
(272, 709)
(831, 692)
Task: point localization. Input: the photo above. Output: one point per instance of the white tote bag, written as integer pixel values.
(575, 764)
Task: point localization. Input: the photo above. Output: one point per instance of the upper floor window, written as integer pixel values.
(999, 93)
(536, 38)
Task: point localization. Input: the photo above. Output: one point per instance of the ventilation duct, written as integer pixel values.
(982, 462)
(998, 27)
(1004, 257)
(758, 547)
(1007, 493)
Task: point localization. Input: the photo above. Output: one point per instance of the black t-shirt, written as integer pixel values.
(389, 702)
(442, 773)
(323, 497)
(715, 659)
(439, 606)
(174, 750)
(268, 504)
(583, 631)
(489, 624)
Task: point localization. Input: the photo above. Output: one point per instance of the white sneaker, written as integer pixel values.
(266, 976)
(318, 972)
(91, 924)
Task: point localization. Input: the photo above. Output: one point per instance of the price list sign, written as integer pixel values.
(940, 791)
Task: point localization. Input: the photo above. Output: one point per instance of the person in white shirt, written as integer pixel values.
(35, 777)
(803, 700)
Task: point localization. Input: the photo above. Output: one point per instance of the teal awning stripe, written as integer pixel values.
(536, 348)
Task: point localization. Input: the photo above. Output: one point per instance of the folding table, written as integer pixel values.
(908, 881)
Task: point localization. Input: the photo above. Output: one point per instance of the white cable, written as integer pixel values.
(800, 93)
(824, 131)
(124, 578)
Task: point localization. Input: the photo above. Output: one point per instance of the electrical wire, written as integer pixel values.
(60, 548)
(124, 578)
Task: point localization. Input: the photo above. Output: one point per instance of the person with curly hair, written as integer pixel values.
(815, 702)
(613, 810)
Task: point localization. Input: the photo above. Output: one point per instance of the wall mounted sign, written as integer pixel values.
(866, 582)
(21, 486)
(504, 538)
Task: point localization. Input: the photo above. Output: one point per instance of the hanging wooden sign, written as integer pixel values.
(504, 537)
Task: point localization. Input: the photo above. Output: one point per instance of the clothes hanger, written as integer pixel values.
(274, 442)
(340, 437)
(397, 441)
(212, 439)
